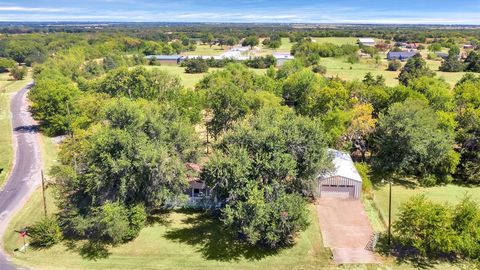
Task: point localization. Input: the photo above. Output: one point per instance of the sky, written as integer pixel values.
(261, 11)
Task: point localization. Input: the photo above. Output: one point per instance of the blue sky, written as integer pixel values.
(280, 11)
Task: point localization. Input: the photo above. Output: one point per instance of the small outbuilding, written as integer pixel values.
(343, 181)
(366, 41)
(282, 57)
(402, 56)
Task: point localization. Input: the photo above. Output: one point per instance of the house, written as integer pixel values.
(343, 181)
(366, 41)
(282, 57)
(165, 59)
(468, 47)
(199, 194)
(402, 56)
(401, 44)
(196, 188)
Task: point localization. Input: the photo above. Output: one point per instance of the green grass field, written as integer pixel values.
(449, 193)
(336, 40)
(7, 88)
(189, 80)
(183, 240)
(341, 68)
(203, 49)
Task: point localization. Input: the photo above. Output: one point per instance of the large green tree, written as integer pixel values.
(411, 140)
(415, 67)
(260, 168)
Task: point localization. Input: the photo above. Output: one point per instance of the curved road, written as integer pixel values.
(25, 175)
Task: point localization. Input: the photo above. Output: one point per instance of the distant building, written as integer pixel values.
(402, 56)
(165, 59)
(282, 57)
(468, 47)
(366, 41)
(344, 181)
(412, 46)
(401, 44)
(442, 55)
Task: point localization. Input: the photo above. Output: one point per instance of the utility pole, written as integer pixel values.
(389, 214)
(73, 138)
(43, 192)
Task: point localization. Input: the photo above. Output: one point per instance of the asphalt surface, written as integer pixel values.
(25, 176)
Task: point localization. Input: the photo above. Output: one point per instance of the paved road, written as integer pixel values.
(25, 176)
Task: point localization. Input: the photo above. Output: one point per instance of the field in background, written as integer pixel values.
(205, 49)
(189, 80)
(7, 88)
(336, 40)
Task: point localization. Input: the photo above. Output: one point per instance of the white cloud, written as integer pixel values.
(32, 9)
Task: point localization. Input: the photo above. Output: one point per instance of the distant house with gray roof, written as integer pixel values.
(402, 56)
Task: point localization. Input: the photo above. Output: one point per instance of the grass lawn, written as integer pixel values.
(285, 47)
(336, 40)
(183, 240)
(189, 80)
(339, 67)
(202, 49)
(7, 88)
(449, 193)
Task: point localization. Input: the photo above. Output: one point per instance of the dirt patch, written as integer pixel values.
(346, 230)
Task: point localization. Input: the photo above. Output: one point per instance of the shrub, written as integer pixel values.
(196, 65)
(18, 73)
(45, 233)
(426, 227)
(261, 62)
(394, 65)
(5, 64)
(353, 58)
(435, 230)
(364, 170)
(137, 218)
(319, 69)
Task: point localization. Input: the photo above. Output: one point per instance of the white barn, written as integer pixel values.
(343, 181)
(366, 41)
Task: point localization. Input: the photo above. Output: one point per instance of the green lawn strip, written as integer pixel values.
(184, 240)
(449, 193)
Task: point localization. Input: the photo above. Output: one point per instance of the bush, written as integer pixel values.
(426, 227)
(45, 233)
(435, 230)
(18, 73)
(196, 65)
(394, 65)
(137, 218)
(364, 170)
(261, 62)
(353, 58)
(5, 64)
(319, 69)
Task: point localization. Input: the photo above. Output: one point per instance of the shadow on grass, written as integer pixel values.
(159, 217)
(214, 242)
(89, 250)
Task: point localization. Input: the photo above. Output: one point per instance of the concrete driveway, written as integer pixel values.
(345, 229)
